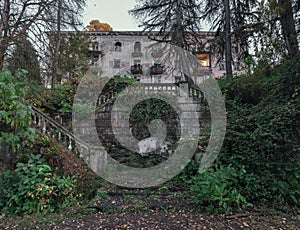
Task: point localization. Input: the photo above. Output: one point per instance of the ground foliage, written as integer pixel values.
(154, 209)
(33, 187)
(263, 134)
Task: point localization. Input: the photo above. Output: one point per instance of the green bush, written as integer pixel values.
(218, 191)
(186, 175)
(33, 188)
(59, 99)
(15, 115)
(264, 136)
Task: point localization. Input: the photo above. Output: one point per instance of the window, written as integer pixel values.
(137, 47)
(137, 61)
(236, 66)
(118, 46)
(117, 63)
(96, 46)
(235, 48)
(222, 65)
(95, 61)
(204, 59)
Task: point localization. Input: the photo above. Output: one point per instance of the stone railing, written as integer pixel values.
(192, 90)
(53, 129)
(195, 92)
(152, 88)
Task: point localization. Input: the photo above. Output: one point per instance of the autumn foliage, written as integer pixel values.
(96, 25)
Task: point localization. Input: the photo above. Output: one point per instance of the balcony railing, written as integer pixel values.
(156, 69)
(94, 53)
(136, 69)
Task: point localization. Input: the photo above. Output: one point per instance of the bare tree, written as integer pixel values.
(57, 44)
(65, 16)
(17, 18)
(32, 19)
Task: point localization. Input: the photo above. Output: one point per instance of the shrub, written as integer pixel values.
(15, 115)
(217, 191)
(33, 188)
(264, 136)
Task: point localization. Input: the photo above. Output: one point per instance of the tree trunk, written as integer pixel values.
(288, 27)
(228, 54)
(177, 34)
(4, 27)
(57, 46)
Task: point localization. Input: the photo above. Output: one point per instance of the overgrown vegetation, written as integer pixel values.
(34, 188)
(217, 191)
(15, 115)
(258, 166)
(260, 161)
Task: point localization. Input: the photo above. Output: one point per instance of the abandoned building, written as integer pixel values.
(125, 53)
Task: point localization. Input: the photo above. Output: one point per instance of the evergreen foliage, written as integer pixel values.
(262, 139)
(73, 60)
(25, 57)
(15, 115)
(177, 20)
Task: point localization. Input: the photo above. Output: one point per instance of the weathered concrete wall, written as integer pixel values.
(128, 55)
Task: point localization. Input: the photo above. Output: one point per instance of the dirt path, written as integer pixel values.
(148, 211)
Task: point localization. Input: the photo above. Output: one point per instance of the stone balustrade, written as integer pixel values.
(52, 128)
(147, 88)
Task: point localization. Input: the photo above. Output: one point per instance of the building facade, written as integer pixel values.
(126, 53)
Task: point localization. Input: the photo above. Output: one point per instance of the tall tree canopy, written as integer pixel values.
(96, 25)
(268, 25)
(177, 21)
(258, 21)
(25, 57)
(73, 61)
(32, 18)
(230, 20)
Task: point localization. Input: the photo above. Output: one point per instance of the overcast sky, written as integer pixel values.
(113, 12)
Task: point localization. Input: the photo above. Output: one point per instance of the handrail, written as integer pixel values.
(52, 127)
(52, 121)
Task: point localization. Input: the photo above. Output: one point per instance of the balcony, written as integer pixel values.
(178, 79)
(136, 69)
(156, 69)
(94, 53)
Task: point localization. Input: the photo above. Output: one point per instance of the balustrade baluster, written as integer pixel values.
(53, 129)
(39, 121)
(53, 132)
(59, 135)
(33, 119)
(44, 126)
(70, 144)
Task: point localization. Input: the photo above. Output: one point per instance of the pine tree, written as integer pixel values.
(175, 21)
(73, 61)
(25, 57)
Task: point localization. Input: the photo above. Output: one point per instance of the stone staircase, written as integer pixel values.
(48, 126)
(105, 119)
(92, 156)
